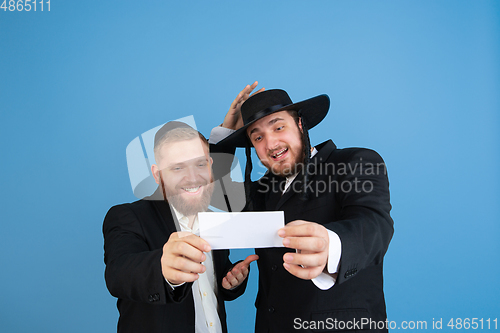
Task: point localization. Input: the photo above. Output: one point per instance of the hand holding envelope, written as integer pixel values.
(311, 242)
(182, 257)
(238, 231)
(241, 230)
(266, 229)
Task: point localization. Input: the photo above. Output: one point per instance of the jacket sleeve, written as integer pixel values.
(365, 227)
(133, 267)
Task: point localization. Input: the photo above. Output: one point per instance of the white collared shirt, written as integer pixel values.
(205, 302)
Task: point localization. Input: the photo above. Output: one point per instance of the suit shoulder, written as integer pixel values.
(128, 206)
(127, 209)
(356, 153)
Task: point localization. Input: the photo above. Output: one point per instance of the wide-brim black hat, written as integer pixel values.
(260, 105)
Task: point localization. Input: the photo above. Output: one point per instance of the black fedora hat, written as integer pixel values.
(260, 105)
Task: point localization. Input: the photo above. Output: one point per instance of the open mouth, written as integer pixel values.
(192, 190)
(278, 155)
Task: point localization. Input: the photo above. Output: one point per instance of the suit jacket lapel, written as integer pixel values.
(273, 195)
(324, 151)
(167, 220)
(288, 194)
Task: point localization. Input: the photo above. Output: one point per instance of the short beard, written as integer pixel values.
(293, 169)
(297, 165)
(183, 206)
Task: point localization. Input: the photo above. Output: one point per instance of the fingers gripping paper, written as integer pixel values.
(241, 230)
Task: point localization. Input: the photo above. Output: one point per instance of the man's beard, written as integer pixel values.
(290, 169)
(189, 207)
(295, 166)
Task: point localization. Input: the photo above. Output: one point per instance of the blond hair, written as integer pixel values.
(176, 135)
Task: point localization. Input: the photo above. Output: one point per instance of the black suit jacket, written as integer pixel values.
(134, 235)
(359, 216)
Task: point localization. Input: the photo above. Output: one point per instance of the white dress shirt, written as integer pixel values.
(205, 302)
(327, 279)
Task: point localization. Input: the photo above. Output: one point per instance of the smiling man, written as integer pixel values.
(277, 143)
(183, 170)
(165, 277)
(336, 205)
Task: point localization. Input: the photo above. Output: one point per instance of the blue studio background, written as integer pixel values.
(418, 81)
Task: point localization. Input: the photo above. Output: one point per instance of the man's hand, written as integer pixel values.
(233, 118)
(182, 257)
(312, 242)
(239, 273)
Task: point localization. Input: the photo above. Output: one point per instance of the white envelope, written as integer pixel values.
(241, 230)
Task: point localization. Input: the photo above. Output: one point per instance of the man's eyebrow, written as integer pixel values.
(271, 122)
(183, 163)
(200, 159)
(274, 120)
(176, 164)
(255, 129)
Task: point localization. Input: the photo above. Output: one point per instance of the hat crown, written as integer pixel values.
(263, 103)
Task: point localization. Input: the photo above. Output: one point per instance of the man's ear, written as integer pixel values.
(211, 169)
(156, 173)
(300, 125)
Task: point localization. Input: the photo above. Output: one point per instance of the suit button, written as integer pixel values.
(271, 309)
(274, 267)
(350, 272)
(150, 298)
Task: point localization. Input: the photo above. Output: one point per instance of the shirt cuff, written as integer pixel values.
(218, 133)
(325, 280)
(173, 286)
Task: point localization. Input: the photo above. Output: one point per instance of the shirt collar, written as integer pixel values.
(290, 179)
(184, 221)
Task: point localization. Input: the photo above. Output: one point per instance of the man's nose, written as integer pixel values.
(272, 142)
(191, 174)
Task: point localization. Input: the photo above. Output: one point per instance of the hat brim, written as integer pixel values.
(313, 111)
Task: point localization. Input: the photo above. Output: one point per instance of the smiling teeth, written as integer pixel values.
(281, 152)
(191, 189)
